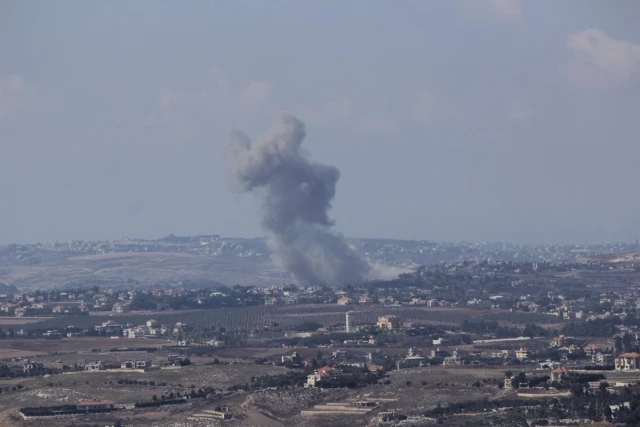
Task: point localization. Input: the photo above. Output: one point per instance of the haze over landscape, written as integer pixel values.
(333, 213)
(493, 121)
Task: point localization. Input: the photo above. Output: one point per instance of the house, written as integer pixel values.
(109, 327)
(548, 364)
(135, 364)
(522, 353)
(440, 353)
(413, 359)
(559, 341)
(58, 309)
(413, 351)
(176, 359)
(120, 308)
(365, 299)
(134, 333)
(20, 312)
(326, 373)
(627, 362)
(592, 349)
(94, 366)
(95, 404)
(152, 323)
(559, 374)
(602, 359)
(30, 367)
(344, 301)
(391, 322)
(451, 360)
(293, 359)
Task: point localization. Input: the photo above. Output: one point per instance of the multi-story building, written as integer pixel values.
(390, 322)
(94, 366)
(522, 353)
(325, 373)
(30, 367)
(628, 362)
(135, 364)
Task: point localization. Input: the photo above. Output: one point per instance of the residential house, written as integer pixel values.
(365, 299)
(120, 308)
(344, 301)
(451, 360)
(559, 374)
(591, 349)
(522, 353)
(293, 359)
(20, 312)
(324, 374)
(390, 322)
(109, 327)
(603, 359)
(627, 362)
(135, 364)
(94, 366)
(136, 332)
(30, 367)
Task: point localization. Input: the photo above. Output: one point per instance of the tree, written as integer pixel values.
(154, 398)
(603, 387)
(518, 379)
(617, 343)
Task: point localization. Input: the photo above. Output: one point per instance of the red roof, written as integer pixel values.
(95, 402)
(324, 370)
(561, 370)
(630, 355)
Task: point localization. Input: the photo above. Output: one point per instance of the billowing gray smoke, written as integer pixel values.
(297, 199)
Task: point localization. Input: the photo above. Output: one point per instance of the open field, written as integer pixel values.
(247, 318)
(409, 391)
(32, 347)
(17, 321)
(124, 268)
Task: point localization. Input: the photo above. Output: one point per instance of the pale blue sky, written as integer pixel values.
(449, 120)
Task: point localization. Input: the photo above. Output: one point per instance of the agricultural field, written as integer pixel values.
(249, 318)
(34, 347)
(17, 321)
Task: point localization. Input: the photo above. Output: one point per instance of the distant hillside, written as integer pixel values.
(7, 289)
(226, 260)
(629, 257)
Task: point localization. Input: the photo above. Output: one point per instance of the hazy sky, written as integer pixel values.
(449, 120)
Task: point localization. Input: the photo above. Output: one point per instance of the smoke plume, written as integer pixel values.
(297, 198)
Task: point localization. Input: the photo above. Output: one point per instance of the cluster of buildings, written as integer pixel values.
(516, 297)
